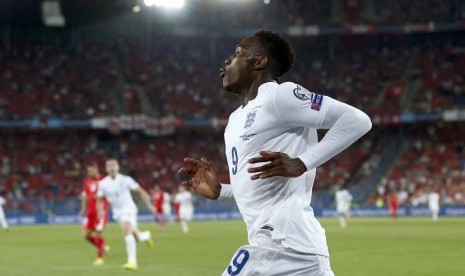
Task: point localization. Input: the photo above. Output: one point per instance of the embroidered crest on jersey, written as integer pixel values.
(302, 94)
(250, 119)
(317, 102)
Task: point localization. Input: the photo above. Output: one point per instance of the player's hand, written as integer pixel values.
(204, 177)
(99, 227)
(277, 164)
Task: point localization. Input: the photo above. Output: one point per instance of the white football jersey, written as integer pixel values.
(343, 200)
(433, 200)
(166, 200)
(2, 201)
(285, 118)
(118, 192)
(184, 199)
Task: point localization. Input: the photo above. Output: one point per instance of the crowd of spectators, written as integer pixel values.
(39, 168)
(49, 81)
(433, 159)
(180, 76)
(417, 11)
(279, 13)
(442, 75)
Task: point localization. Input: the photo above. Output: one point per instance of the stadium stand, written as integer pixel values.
(388, 75)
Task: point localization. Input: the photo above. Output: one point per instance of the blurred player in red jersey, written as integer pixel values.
(393, 202)
(92, 226)
(158, 200)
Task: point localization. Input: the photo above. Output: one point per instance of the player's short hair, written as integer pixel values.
(112, 159)
(92, 165)
(278, 48)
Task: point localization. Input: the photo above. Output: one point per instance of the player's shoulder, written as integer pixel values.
(104, 180)
(127, 178)
(293, 91)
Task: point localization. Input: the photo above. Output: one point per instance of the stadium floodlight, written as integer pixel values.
(170, 4)
(136, 9)
(149, 3)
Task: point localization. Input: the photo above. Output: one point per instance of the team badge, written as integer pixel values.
(302, 94)
(250, 119)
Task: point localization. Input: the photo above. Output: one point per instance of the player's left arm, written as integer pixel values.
(145, 198)
(134, 186)
(346, 125)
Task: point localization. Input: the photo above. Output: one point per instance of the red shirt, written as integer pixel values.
(393, 201)
(90, 192)
(158, 201)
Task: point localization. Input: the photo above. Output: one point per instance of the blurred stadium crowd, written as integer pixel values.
(384, 75)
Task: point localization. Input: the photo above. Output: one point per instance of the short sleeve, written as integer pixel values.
(296, 106)
(131, 183)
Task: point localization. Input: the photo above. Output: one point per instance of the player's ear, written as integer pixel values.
(261, 62)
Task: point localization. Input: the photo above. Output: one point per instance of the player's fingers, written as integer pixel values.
(255, 176)
(270, 174)
(261, 168)
(187, 183)
(188, 169)
(261, 159)
(269, 153)
(206, 162)
(194, 162)
(210, 163)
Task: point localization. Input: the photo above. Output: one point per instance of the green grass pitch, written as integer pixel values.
(368, 246)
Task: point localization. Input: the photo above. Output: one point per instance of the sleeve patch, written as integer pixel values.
(317, 102)
(302, 94)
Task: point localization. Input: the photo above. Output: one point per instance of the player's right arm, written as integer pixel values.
(83, 209)
(204, 178)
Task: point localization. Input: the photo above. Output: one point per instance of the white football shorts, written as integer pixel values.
(268, 258)
(126, 216)
(186, 213)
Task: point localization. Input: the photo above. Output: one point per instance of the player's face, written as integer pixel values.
(112, 167)
(238, 73)
(92, 171)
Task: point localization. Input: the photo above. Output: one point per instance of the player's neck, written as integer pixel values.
(252, 92)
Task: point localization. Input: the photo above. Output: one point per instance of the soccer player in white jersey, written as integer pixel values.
(433, 204)
(167, 210)
(272, 151)
(116, 188)
(343, 202)
(3, 221)
(186, 207)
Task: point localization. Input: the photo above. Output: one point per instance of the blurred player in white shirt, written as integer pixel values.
(186, 207)
(167, 210)
(116, 188)
(272, 149)
(3, 221)
(433, 204)
(343, 202)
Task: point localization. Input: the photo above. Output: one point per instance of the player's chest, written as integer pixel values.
(92, 188)
(115, 189)
(249, 129)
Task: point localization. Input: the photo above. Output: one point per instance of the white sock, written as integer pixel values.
(144, 236)
(184, 226)
(342, 221)
(131, 248)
